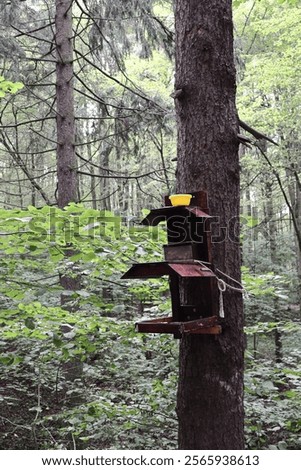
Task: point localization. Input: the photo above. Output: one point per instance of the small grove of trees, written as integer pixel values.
(115, 116)
(267, 39)
(270, 101)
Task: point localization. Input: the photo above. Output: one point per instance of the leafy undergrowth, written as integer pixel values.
(272, 405)
(85, 379)
(99, 385)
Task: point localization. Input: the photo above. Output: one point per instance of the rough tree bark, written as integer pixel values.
(66, 157)
(67, 176)
(210, 391)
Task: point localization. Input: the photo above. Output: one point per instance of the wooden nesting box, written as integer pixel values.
(180, 252)
(187, 257)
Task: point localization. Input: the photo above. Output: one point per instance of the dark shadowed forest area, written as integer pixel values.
(106, 107)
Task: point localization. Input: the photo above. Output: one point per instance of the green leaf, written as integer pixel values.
(57, 341)
(29, 323)
(118, 309)
(7, 86)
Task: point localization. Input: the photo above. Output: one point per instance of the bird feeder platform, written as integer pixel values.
(205, 326)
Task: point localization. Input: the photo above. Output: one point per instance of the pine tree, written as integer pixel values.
(210, 392)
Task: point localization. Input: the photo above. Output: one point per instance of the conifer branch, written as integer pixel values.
(258, 135)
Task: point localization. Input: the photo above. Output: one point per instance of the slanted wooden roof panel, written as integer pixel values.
(159, 215)
(148, 270)
(191, 270)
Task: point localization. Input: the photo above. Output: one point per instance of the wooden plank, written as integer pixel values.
(180, 251)
(199, 323)
(158, 320)
(200, 199)
(175, 297)
(174, 328)
(167, 325)
(162, 268)
(213, 330)
(147, 270)
(158, 326)
(156, 216)
(191, 269)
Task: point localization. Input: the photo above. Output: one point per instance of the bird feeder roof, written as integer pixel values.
(183, 270)
(158, 215)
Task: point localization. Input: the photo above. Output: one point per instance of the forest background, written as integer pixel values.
(74, 374)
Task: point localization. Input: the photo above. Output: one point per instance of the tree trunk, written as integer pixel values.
(67, 189)
(66, 159)
(272, 236)
(33, 189)
(210, 391)
(295, 200)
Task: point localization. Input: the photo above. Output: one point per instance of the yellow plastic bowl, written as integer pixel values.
(180, 199)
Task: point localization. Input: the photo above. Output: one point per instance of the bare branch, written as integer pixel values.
(123, 177)
(118, 82)
(258, 135)
(16, 158)
(34, 30)
(26, 122)
(28, 34)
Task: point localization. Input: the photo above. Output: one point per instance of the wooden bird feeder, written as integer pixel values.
(187, 257)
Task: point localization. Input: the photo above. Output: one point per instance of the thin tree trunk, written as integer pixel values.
(272, 233)
(104, 187)
(210, 391)
(66, 158)
(33, 189)
(295, 199)
(67, 189)
(20, 190)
